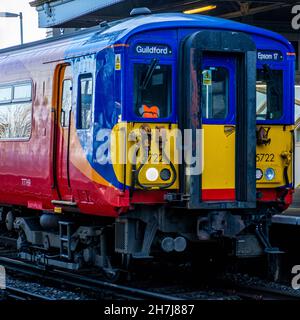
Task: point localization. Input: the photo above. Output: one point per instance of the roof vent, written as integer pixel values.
(140, 11)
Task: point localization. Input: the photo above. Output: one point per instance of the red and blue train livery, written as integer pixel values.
(62, 98)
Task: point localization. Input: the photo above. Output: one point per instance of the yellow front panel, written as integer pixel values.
(219, 157)
(123, 145)
(276, 154)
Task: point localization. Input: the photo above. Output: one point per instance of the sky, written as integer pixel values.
(10, 27)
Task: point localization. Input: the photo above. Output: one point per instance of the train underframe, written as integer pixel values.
(73, 241)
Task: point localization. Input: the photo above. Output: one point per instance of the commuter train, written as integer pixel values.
(145, 137)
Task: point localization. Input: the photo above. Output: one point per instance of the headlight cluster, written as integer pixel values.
(269, 174)
(152, 174)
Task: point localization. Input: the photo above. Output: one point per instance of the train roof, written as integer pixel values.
(95, 39)
(175, 20)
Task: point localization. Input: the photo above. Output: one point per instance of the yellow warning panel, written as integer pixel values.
(118, 64)
(207, 77)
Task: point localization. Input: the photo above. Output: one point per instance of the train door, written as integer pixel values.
(218, 100)
(63, 121)
(218, 104)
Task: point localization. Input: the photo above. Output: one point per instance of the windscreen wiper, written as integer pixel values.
(149, 74)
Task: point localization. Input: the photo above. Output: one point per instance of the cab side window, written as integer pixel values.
(269, 94)
(85, 101)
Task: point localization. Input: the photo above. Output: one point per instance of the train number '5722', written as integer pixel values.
(265, 157)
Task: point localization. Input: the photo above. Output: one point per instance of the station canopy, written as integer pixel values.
(274, 15)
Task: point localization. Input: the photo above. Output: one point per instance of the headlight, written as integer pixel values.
(259, 174)
(165, 174)
(270, 174)
(152, 174)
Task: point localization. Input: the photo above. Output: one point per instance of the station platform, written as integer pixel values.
(292, 215)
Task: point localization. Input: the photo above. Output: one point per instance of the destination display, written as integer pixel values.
(269, 55)
(153, 49)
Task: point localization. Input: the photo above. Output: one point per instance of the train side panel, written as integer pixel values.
(25, 158)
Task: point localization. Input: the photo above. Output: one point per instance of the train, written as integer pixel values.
(143, 138)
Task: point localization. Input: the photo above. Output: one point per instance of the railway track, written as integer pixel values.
(84, 282)
(123, 292)
(12, 293)
(110, 290)
(262, 293)
(233, 292)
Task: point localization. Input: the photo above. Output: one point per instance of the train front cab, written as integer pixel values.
(219, 107)
(206, 86)
(246, 135)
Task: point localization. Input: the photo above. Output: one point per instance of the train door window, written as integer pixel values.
(85, 101)
(215, 98)
(153, 90)
(66, 103)
(269, 94)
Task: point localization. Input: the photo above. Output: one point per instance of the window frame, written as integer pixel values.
(87, 75)
(18, 101)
